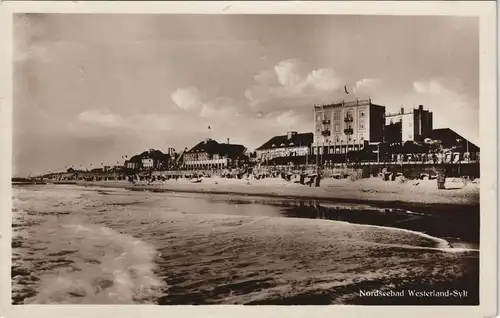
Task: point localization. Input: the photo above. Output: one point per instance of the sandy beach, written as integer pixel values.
(414, 192)
(94, 245)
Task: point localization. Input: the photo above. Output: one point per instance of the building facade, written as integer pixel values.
(132, 165)
(209, 154)
(148, 163)
(148, 160)
(408, 126)
(291, 144)
(347, 126)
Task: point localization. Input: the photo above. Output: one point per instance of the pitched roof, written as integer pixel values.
(232, 149)
(450, 138)
(304, 139)
(153, 154)
(211, 146)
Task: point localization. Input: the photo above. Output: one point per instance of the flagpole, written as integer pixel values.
(317, 151)
(322, 150)
(307, 153)
(468, 154)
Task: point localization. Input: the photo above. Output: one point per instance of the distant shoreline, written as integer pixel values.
(375, 193)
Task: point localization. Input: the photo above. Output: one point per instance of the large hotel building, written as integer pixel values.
(347, 126)
(413, 125)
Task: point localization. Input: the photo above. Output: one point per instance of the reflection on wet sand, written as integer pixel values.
(460, 225)
(92, 246)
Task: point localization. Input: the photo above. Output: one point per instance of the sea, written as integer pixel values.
(90, 245)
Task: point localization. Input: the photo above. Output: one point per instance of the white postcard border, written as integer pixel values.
(488, 132)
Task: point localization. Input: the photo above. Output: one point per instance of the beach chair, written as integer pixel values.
(317, 180)
(311, 180)
(302, 179)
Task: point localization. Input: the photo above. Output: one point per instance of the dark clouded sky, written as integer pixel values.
(92, 88)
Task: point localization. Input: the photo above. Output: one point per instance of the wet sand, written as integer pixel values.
(420, 195)
(85, 245)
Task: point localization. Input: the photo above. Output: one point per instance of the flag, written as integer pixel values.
(345, 89)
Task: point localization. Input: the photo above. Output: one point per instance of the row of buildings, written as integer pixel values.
(348, 126)
(207, 154)
(339, 128)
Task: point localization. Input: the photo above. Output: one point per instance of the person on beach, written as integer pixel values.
(318, 176)
(302, 177)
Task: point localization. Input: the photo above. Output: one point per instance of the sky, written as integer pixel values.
(90, 89)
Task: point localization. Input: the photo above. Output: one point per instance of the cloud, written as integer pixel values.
(228, 118)
(290, 72)
(292, 83)
(266, 77)
(187, 98)
(324, 79)
(452, 107)
(430, 87)
(446, 90)
(282, 98)
(211, 111)
(192, 101)
(288, 119)
(105, 120)
(367, 86)
(101, 118)
(222, 114)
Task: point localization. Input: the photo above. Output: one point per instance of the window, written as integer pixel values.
(317, 130)
(318, 118)
(325, 117)
(361, 124)
(349, 114)
(337, 127)
(361, 113)
(273, 145)
(350, 139)
(291, 144)
(282, 145)
(392, 122)
(338, 139)
(336, 116)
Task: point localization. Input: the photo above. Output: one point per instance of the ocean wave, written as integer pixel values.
(170, 249)
(442, 244)
(99, 266)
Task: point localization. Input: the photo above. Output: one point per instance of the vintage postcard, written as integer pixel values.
(219, 159)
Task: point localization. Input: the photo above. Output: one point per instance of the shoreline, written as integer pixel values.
(441, 201)
(148, 234)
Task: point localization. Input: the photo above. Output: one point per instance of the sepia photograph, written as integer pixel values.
(247, 159)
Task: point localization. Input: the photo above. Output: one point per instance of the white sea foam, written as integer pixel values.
(102, 250)
(107, 267)
(439, 248)
(442, 243)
